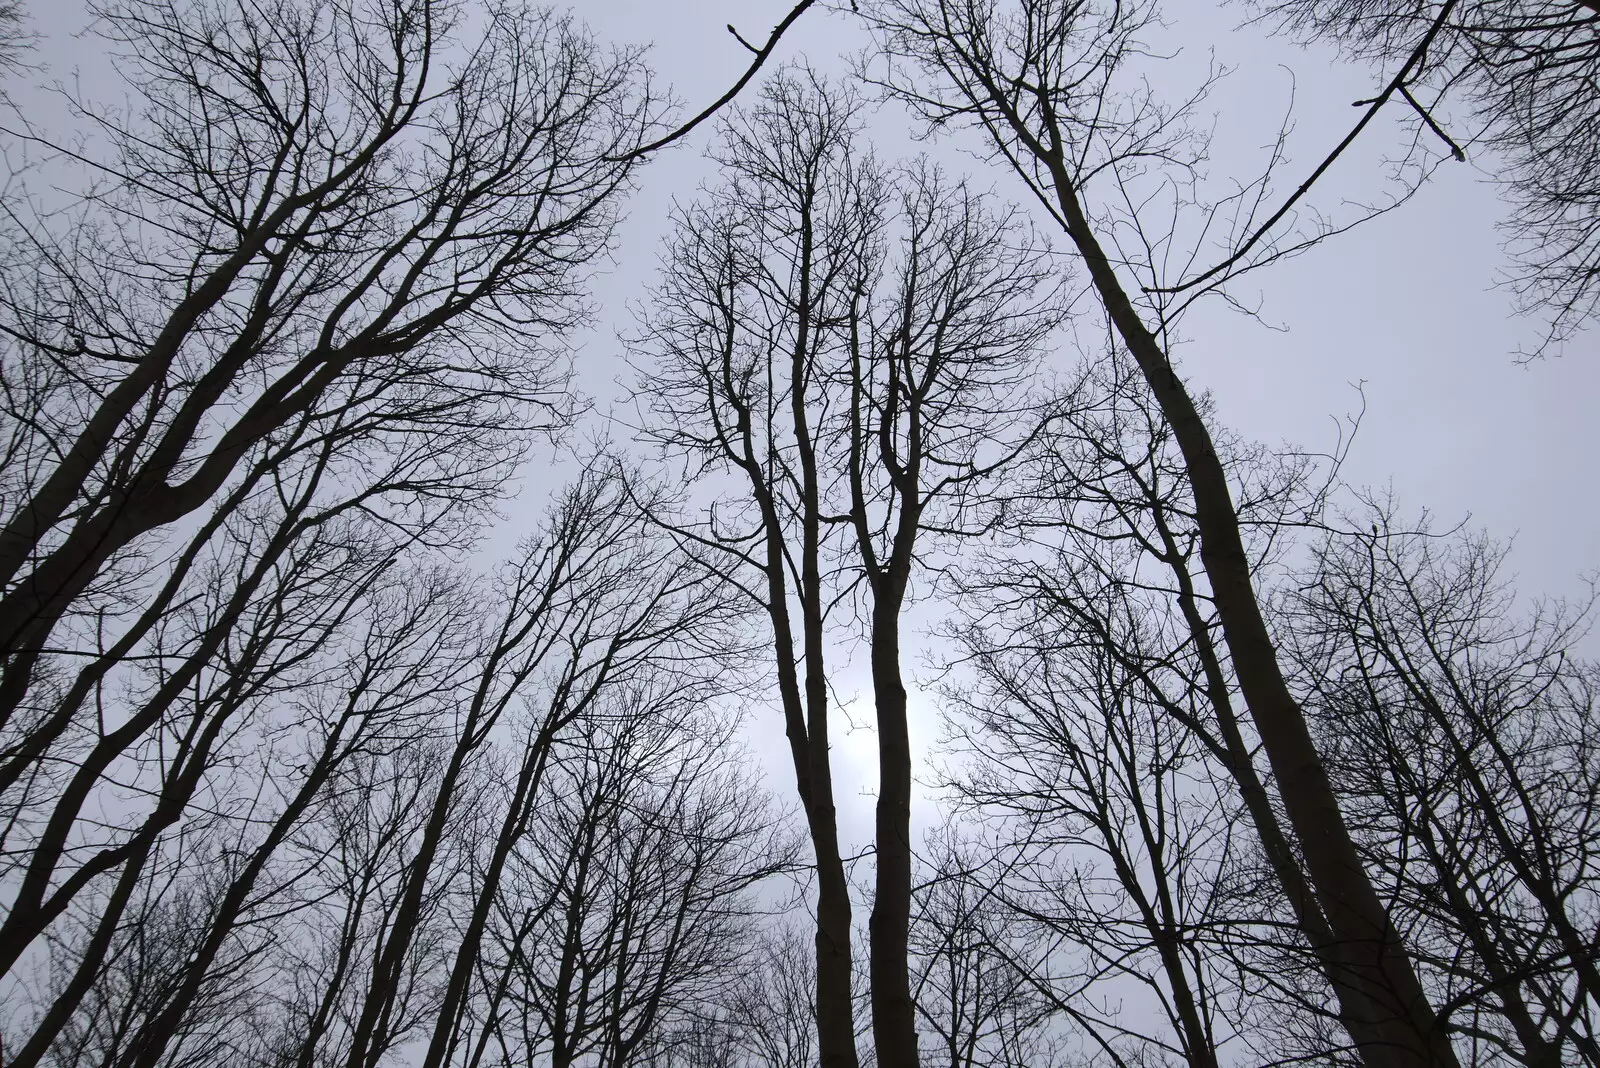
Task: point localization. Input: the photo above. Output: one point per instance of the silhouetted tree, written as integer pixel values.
(758, 279)
(14, 38)
(300, 323)
(981, 1008)
(1039, 80)
(859, 363)
(632, 911)
(1521, 79)
(1462, 731)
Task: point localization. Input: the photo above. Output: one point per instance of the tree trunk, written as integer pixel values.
(806, 727)
(1356, 1011)
(1403, 1032)
(894, 1020)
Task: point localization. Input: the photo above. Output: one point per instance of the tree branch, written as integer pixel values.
(761, 56)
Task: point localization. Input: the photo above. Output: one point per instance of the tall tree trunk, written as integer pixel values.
(805, 717)
(1404, 1032)
(1356, 1010)
(836, 1032)
(894, 1020)
(836, 1029)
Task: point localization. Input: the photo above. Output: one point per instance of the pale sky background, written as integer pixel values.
(1406, 305)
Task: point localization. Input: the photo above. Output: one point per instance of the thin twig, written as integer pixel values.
(1396, 84)
(760, 59)
(1455, 149)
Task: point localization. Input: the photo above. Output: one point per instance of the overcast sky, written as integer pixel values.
(1406, 305)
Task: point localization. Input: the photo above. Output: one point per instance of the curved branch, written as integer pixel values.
(761, 56)
(1375, 104)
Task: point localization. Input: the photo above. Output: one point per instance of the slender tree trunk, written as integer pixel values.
(808, 749)
(441, 1046)
(836, 1033)
(894, 1018)
(1161, 918)
(147, 1046)
(1356, 1010)
(835, 1005)
(1505, 984)
(1534, 874)
(371, 1037)
(1198, 1050)
(1404, 1030)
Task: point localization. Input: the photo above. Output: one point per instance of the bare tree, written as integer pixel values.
(374, 800)
(101, 827)
(635, 882)
(1102, 563)
(1462, 730)
(756, 283)
(264, 758)
(270, 266)
(1116, 825)
(14, 39)
(292, 330)
(1038, 79)
(1520, 77)
(405, 658)
(939, 403)
(1393, 639)
(858, 364)
(773, 1012)
(188, 960)
(609, 608)
(980, 1006)
(282, 784)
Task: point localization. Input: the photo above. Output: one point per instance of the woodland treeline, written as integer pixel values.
(1240, 766)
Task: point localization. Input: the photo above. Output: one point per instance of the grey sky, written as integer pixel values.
(1406, 305)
